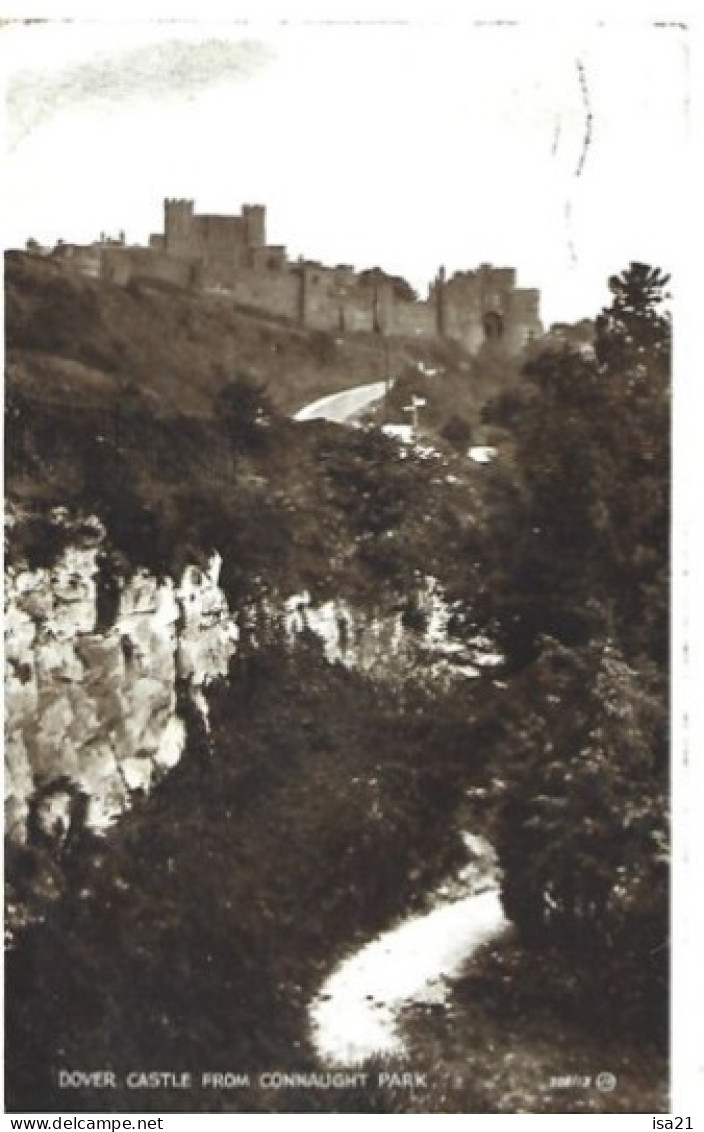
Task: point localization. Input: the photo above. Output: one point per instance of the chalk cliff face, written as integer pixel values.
(93, 707)
(387, 643)
(91, 688)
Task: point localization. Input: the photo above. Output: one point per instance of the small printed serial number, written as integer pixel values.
(604, 1082)
(570, 1081)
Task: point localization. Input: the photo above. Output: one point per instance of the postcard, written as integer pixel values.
(339, 744)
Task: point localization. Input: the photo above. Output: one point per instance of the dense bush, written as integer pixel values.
(586, 552)
(244, 412)
(195, 934)
(578, 597)
(317, 506)
(582, 830)
(457, 432)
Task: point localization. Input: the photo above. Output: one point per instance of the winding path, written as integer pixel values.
(355, 1015)
(344, 407)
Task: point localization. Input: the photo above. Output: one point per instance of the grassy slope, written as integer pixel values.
(110, 395)
(176, 344)
(506, 1038)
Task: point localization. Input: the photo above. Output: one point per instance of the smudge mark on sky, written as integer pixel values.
(166, 68)
(583, 154)
(588, 118)
(556, 137)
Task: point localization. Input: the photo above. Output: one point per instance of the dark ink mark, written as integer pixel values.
(588, 118)
(586, 142)
(556, 137)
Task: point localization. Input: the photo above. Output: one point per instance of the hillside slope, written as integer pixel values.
(77, 335)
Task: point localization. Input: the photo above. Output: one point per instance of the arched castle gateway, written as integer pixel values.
(230, 253)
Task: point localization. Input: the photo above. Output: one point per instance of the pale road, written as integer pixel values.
(356, 1014)
(344, 407)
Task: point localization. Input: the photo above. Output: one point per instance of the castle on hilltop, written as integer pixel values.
(229, 254)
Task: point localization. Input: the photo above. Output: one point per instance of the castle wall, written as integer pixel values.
(85, 259)
(271, 257)
(411, 319)
(218, 271)
(487, 289)
(462, 316)
(178, 227)
(494, 284)
(230, 252)
(385, 307)
(121, 265)
(355, 313)
(524, 320)
(317, 287)
(276, 292)
(477, 306)
(334, 299)
(219, 240)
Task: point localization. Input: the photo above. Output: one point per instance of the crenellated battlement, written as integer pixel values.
(229, 253)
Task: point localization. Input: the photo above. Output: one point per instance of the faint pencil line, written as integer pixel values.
(556, 136)
(588, 118)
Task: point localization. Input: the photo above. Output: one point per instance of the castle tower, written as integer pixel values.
(383, 307)
(178, 226)
(254, 217)
(438, 294)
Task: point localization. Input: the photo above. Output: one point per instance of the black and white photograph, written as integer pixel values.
(338, 563)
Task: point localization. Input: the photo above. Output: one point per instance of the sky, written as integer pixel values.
(560, 151)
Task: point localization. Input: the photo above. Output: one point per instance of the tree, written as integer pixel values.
(244, 411)
(578, 591)
(457, 432)
(581, 756)
(634, 333)
(582, 822)
(400, 287)
(587, 552)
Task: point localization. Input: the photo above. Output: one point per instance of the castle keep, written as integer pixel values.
(230, 254)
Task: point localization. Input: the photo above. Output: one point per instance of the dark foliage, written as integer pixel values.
(244, 412)
(457, 432)
(578, 596)
(582, 826)
(285, 506)
(587, 552)
(194, 935)
(313, 813)
(400, 287)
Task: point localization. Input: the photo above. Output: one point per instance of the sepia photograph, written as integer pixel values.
(338, 725)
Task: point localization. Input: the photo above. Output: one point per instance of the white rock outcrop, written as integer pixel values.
(96, 707)
(91, 698)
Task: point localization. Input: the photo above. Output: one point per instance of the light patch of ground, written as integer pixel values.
(355, 1016)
